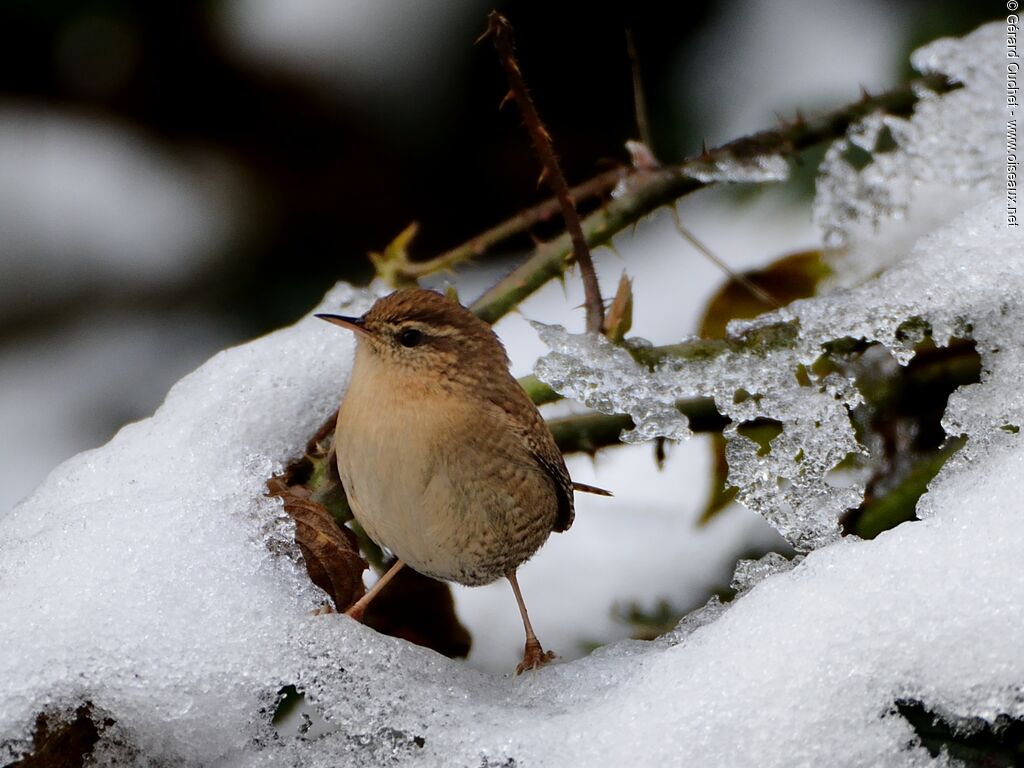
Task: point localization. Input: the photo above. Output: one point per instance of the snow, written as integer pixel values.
(47, 421)
(945, 160)
(153, 577)
(756, 169)
(973, 269)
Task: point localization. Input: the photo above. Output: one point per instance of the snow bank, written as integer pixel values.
(152, 577)
(142, 576)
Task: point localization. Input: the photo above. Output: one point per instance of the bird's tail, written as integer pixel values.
(584, 488)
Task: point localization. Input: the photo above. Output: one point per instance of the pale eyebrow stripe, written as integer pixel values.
(425, 328)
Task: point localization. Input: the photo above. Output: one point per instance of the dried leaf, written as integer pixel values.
(791, 277)
(331, 551)
(619, 318)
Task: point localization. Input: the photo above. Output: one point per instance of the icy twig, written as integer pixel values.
(590, 432)
(499, 29)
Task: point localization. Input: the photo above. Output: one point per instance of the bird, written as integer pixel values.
(445, 460)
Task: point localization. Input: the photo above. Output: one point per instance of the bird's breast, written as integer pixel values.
(386, 442)
(437, 480)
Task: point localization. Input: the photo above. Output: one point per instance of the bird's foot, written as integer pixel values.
(534, 656)
(323, 610)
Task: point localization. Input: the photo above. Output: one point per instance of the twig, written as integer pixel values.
(739, 277)
(649, 190)
(589, 432)
(539, 392)
(500, 30)
(639, 102)
(515, 225)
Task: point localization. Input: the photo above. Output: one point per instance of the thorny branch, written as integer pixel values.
(597, 186)
(647, 190)
(499, 29)
(639, 102)
(549, 259)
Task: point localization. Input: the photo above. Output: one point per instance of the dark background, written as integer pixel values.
(329, 174)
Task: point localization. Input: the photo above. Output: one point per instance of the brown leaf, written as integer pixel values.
(619, 318)
(331, 551)
(795, 276)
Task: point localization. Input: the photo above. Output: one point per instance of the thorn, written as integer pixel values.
(487, 33)
(639, 100)
(505, 100)
(781, 120)
(865, 95)
(801, 120)
(704, 153)
(641, 156)
(496, 24)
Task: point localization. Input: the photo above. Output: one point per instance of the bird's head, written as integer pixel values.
(420, 330)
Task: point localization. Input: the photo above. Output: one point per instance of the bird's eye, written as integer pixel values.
(410, 337)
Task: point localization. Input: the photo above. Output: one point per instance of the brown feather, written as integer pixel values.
(584, 488)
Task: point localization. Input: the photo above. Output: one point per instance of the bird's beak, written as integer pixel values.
(351, 323)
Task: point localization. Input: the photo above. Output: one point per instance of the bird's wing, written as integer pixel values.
(524, 419)
(554, 466)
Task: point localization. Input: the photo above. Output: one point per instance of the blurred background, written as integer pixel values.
(179, 177)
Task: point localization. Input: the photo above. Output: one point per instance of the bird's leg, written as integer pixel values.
(533, 655)
(359, 606)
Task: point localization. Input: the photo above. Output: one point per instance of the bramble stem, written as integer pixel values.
(646, 190)
(500, 30)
